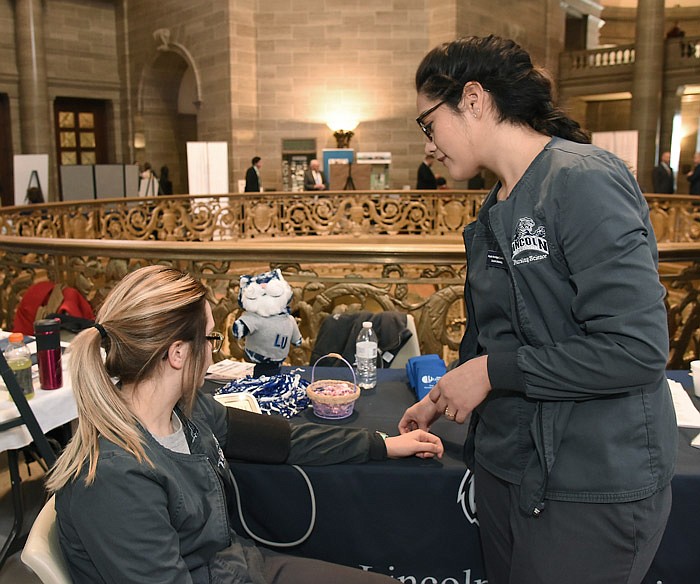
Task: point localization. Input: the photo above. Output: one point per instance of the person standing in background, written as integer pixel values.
(426, 178)
(314, 179)
(253, 182)
(662, 175)
(675, 32)
(694, 175)
(148, 181)
(166, 185)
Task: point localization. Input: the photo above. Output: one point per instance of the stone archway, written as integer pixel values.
(168, 100)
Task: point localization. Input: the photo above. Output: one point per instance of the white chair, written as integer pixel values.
(42, 552)
(410, 349)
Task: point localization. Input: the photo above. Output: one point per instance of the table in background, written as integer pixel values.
(677, 561)
(406, 517)
(52, 409)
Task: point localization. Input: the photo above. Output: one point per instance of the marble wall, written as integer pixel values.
(260, 70)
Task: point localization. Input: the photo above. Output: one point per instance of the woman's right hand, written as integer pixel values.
(419, 416)
(416, 443)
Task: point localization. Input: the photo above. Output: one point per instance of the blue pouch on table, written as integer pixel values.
(423, 372)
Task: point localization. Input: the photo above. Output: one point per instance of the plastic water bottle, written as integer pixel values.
(19, 358)
(366, 356)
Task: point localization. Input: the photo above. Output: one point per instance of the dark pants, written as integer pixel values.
(284, 569)
(576, 543)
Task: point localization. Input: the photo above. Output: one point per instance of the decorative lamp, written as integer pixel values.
(342, 138)
(139, 140)
(342, 126)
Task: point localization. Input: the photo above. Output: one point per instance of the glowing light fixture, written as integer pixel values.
(139, 140)
(342, 125)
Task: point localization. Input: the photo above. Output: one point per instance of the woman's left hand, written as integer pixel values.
(418, 442)
(460, 390)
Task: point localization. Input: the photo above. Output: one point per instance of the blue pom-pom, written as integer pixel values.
(282, 394)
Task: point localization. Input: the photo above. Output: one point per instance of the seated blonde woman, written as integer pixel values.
(143, 489)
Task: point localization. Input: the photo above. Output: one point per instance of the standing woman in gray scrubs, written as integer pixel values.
(562, 367)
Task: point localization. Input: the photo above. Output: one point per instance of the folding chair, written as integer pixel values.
(15, 540)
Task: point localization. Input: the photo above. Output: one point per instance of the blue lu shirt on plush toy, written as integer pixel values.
(424, 372)
(266, 324)
(269, 331)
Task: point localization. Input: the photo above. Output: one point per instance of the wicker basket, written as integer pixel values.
(333, 399)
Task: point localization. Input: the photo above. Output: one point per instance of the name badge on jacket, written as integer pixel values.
(495, 259)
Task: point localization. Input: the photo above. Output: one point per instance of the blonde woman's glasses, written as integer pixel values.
(216, 339)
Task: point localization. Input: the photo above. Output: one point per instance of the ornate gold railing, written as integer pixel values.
(421, 275)
(249, 215)
(424, 278)
(676, 218)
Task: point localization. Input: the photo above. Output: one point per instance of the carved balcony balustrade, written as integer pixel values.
(681, 56)
(376, 264)
(249, 215)
(424, 278)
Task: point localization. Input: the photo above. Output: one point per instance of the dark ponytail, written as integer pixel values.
(521, 92)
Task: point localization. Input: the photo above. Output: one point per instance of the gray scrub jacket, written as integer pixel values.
(169, 523)
(588, 308)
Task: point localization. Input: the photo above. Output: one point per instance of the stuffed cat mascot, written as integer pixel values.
(266, 323)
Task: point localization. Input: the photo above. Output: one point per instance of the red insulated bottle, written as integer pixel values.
(48, 352)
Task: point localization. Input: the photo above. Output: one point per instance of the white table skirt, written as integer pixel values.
(52, 408)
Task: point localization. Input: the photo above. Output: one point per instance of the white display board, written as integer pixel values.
(207, 168)
(25, 165)
(623, 144)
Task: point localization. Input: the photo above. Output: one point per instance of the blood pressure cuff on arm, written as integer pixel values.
(256, 437)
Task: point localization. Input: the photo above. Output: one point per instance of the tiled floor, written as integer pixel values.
(14, 571)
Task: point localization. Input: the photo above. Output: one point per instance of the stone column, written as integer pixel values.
(34, 107)
(647, 85)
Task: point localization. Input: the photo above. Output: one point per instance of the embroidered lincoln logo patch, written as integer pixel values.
(529, 243)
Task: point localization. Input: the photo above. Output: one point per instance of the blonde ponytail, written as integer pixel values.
(143, 315)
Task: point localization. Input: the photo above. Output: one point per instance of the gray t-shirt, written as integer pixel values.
(175, 441)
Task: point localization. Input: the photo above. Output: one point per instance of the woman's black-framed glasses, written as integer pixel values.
(216, 339)
(428, 128)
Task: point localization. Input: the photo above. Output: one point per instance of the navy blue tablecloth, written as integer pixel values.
(677, 560)
(410, 518)
(403, 517)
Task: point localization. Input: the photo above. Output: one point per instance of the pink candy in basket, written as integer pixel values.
(333, 399)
